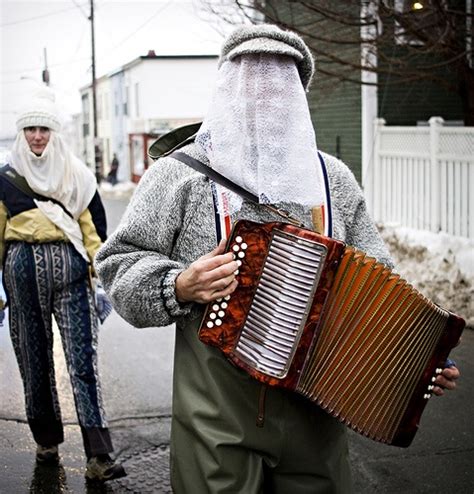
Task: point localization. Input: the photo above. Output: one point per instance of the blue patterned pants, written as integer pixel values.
(48, 279)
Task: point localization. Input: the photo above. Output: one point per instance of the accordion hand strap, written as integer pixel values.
(228, 184)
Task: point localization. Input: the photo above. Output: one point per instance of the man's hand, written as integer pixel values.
(446, 380)
(210, 277)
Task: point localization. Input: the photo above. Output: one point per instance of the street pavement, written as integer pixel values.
(136, 372)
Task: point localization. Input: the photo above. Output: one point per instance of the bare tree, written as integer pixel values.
(400, 41)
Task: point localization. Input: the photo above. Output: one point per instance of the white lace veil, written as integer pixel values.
(258, 131)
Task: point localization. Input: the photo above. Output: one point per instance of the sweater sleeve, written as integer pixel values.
(136, 264)
(99, 219)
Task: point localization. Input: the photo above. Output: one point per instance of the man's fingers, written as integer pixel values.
(209, 270)
(221, 283)
(223, 293)
(218, 250)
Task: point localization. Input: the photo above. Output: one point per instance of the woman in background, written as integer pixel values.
(52, 222)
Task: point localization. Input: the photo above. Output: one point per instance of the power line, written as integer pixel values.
(13, 23)
(161, 9)
(80, 8)
(39, 67)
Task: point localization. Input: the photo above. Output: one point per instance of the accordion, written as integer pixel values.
(324, 320)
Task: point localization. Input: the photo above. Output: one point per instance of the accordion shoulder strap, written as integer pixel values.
(228, 184)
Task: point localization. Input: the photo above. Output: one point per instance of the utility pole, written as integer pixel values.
(45, 74)
(97, 153)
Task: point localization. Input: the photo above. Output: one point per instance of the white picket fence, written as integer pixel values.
(423, 177)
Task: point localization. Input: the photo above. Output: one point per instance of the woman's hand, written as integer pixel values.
(210, 277)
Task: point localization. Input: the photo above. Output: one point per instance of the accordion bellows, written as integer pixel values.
(332, 324)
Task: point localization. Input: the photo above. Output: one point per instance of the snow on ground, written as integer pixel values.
(120, 190)
(440, 266)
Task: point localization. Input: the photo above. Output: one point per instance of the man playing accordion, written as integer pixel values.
(230, 432)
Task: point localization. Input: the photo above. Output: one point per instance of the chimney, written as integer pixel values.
(151, 53)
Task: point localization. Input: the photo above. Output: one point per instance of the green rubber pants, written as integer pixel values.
(219, 444)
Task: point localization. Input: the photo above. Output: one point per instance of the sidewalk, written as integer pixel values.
(141, 445)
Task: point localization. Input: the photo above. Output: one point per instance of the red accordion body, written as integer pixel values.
(324, 320)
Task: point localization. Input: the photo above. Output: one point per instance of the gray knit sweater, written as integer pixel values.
(169, 223)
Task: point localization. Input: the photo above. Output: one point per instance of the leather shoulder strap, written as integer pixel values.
(213, 175)
(228, 184)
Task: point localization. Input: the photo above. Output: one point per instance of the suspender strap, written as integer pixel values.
(11, 175)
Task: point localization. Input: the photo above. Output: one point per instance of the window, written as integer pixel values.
(85, 115)
(125, 102)
(137, 99)
(106, 106)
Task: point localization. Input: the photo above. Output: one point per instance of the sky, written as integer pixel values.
(124, 30)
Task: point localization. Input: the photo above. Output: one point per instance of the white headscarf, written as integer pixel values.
(59, 175)
(258, 131)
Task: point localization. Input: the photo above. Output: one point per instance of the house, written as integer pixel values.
(140, 101)
(393, 97)
(343, 110)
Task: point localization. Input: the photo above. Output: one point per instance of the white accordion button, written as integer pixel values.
(212, 315)
(219, 299)
(215, 307)
(239, 263)
(210, 324)
(427, 396)
(218, 322)
(235, 248)
(241, 254)
(244, 246)
(238, 239)
(224, 305)
(227, 297)
(439, 370)
(221, 313)
(236, 272)
(430, 387)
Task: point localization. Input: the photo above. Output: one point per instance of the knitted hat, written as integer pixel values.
(40, 111)
(268, 38)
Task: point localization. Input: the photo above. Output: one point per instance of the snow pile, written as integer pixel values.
(119, 191)
(440, 266)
